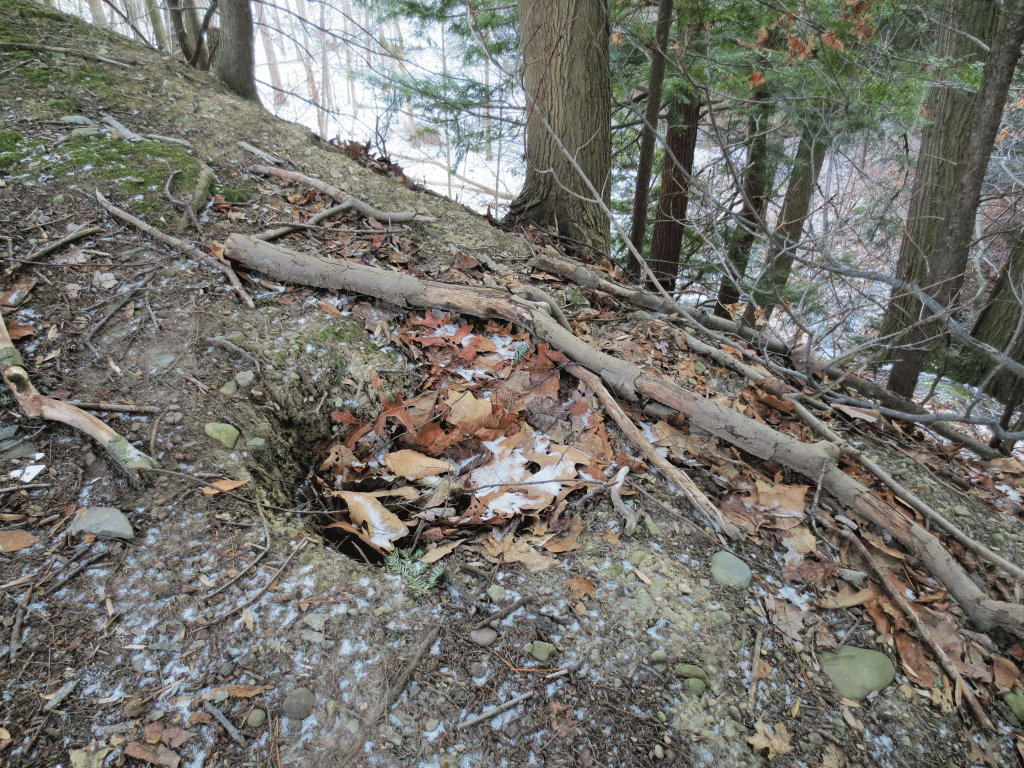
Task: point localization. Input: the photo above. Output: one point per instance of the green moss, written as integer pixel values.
(63, 106)
(235, 195)
(12, 148)
(139, 169)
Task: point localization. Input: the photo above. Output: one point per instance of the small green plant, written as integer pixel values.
(420, 577)
(521, 352)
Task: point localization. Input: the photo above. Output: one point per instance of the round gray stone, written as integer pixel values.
(298, 704)
(483, 636)
(729, 571)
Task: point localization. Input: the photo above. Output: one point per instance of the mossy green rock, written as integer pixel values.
(1015, 701)
(729, 571)
(225, 434)
(856, 672)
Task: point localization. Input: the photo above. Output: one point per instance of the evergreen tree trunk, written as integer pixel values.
(946, 265)
(567, 78)
(949, 113)
(810, 156)
(757, 186)
(1001, 326)
(670, 217)
(236, 63)
(648, 133)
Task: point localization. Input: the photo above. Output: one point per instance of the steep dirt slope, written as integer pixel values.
(224, 632)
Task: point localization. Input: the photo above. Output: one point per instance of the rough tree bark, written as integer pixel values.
(236, 62)
(810, 156)
(670, 217)
(947, 263)
(966, 29)
(648, 132)
(757, 186)
(567, 78)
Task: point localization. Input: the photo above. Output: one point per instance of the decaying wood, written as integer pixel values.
(892, 405)
(815, 461)
(345, 199)
(127, 456)
(704, 506)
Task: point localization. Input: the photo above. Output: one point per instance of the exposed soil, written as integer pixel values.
(152, 643)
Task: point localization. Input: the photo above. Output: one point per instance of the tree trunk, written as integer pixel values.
(186, 24)
(648, 133)
(810, 156)
(949, 112)
(670, 217)
(946, 264)
(156, 21)
(1001, 326)
(757, 186)
(567, 78)
(268, 49)
(236, 63)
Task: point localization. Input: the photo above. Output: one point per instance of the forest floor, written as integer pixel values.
(233, 627)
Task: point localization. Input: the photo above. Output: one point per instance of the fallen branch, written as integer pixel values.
(129, 458)
(672, 473)
(908, 611)
(86, 232)
(346, 200)
(178, 245)
(66, 52)
(815, 461)
(893, 406)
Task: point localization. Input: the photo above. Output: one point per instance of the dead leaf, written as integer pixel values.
(157, 754)
(382, 527)
(847, 597)
(437, 553)
(413, 465)
(223, 485)
(581, 586)
(12, 541)
(770, 743)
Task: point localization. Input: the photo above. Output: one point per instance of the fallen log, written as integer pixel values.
(815, 461)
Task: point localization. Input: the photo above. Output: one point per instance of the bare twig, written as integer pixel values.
(232, 731)
(177, 244)
(86, 232)
(342, 197)
(507, 610)
(496, 711)
(241, 606)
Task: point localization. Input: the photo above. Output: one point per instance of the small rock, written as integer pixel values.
(729, 571)
(696, 686)
(496, 592)
(483, 636)
(659, 656)
(431, 724)
(229, 388)
(1015, 702)
(540, 650)
(690, 670)
(244, 378)
(225, 434)
(104, 523)
(298, 704)
(856, 672)
(256, 718)
(161, 359)
(226, 668)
